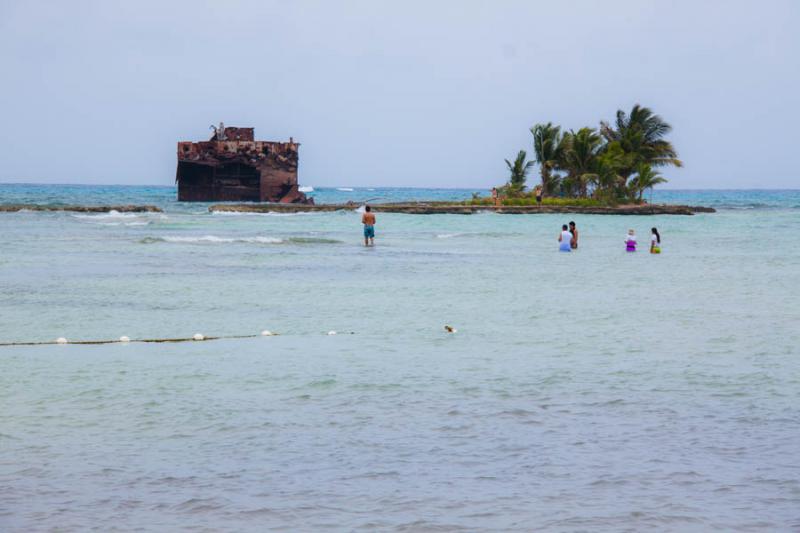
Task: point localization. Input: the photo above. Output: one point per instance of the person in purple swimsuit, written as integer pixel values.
(630, 241)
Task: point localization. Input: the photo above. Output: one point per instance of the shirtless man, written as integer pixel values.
(572, 229)
(368, 219)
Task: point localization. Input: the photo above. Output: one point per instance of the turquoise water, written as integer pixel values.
(596, 390)
(166, 197)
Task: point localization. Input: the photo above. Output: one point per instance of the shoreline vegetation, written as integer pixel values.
(614, 164)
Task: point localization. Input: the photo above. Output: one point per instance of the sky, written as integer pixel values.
(404, 93)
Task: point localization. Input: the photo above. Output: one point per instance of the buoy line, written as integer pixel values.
(197, 337)
(126, 340)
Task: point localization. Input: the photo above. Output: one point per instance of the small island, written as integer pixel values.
(614, 164)
(599, 171)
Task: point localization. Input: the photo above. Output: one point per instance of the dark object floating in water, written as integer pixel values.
(233, 166)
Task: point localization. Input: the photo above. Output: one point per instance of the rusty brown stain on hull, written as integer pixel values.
(233, 166)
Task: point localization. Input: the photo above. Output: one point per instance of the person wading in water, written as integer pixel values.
(574, 242)
(368, 219)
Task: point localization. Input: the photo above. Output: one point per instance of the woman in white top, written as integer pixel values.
(655, 242)
(565, 239)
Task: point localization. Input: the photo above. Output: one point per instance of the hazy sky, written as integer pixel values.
(399, 93)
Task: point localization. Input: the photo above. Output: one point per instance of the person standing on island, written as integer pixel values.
(572, 229)
(564, 240)
(368, 219)
(539, 195)
(494, 196)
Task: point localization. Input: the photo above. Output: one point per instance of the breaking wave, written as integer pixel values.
(345, 189)
(111, 214)
(143, 223)
(306, 188)
(473, 234)
(267, 214)
(213, 239)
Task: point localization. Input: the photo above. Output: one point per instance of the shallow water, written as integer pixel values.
(596, 390)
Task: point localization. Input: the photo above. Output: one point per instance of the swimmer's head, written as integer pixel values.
(571, 224)
(367, 208)
(630, 232)
(564, 227)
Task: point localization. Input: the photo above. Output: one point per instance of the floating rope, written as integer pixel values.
(197, 337)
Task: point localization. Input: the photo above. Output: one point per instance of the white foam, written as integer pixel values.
(448, 235)
(267, 214)
(120, 223)
(215, 239)
(111, 214)
(306, 188)
(345, 189)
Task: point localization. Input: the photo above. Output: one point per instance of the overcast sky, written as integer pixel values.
(399, 93)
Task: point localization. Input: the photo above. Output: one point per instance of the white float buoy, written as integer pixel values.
(198, 337)
(267, 333)
(124, 338)
(61, 340)
(331, 332)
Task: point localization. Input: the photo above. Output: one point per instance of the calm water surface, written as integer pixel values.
(596, 390)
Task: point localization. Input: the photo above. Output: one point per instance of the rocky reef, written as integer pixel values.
(434, 208)
(11, 208)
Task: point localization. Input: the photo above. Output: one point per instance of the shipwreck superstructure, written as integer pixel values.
(233, 166)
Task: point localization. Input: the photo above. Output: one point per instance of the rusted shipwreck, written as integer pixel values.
(233, 166)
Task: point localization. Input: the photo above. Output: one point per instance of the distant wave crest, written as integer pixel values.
(267, 214)
(111, 214)
(473, 234)
(214, 239)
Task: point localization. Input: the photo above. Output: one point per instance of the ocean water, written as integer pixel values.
(590, 391)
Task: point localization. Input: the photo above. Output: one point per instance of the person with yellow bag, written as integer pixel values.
(655, 242)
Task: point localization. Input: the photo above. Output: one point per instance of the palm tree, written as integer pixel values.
(519, 172)
(607, 179)
(579, 158)
(646, 178)
(641, 135)
(548, 146)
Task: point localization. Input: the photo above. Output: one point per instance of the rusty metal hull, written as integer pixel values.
(238, 168)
